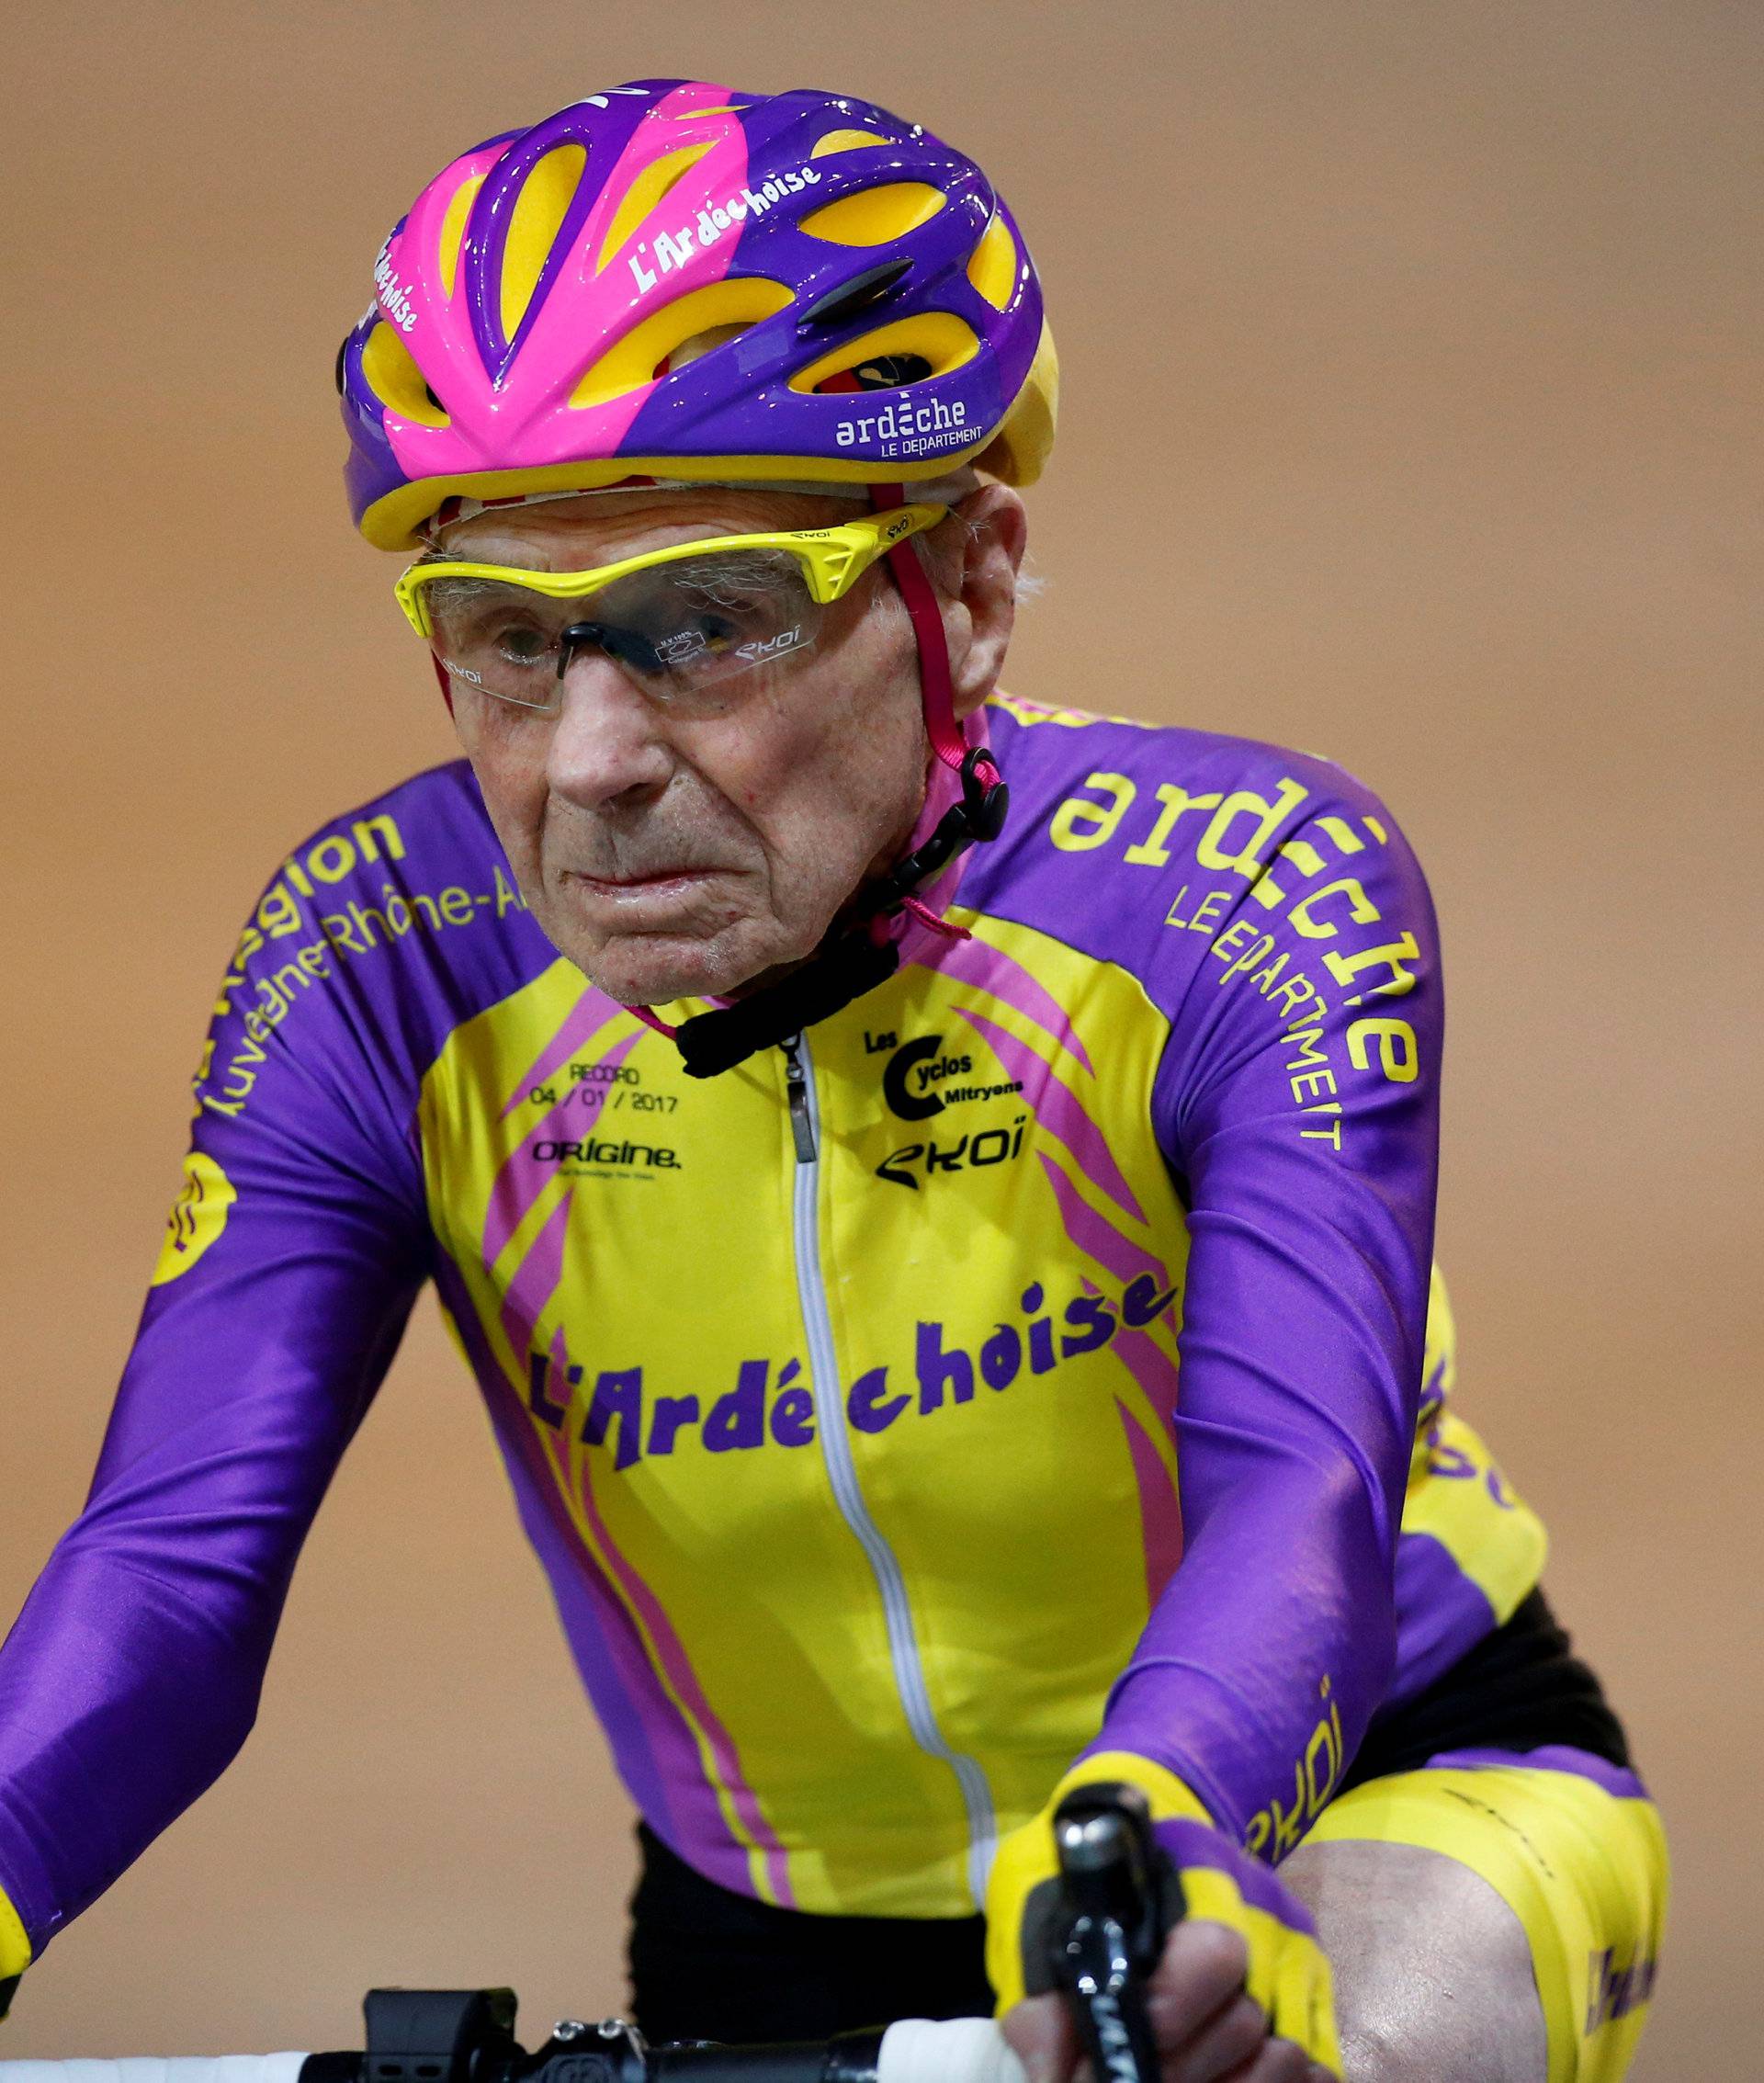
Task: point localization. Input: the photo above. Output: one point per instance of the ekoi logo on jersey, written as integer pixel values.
(965, 1153)
(620, 1407)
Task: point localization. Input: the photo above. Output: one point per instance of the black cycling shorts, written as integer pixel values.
(707, 1963)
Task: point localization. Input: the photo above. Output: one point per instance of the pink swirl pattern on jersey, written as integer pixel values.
(1161, 1513)
(1060, 1112)
(674, 1664)
(522, 1177)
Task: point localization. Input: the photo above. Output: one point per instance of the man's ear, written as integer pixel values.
(989, 528)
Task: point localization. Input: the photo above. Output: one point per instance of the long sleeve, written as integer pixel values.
(292, 1259)
(1297, 1104)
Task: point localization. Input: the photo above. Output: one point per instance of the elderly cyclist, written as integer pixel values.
(950, 1279)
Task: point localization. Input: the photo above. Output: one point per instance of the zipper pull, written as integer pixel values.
(796, 1089)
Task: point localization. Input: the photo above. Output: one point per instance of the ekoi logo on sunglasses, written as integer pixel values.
(773, 1403)
(761, 648)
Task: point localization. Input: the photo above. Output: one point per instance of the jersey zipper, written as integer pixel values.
(836, 1451)
(796, 1089)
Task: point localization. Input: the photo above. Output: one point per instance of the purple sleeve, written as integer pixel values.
(293, 1258)
(1298, 1102)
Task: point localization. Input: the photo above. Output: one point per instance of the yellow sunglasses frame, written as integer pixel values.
(833, 560)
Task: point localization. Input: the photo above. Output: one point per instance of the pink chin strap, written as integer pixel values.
(945, 733)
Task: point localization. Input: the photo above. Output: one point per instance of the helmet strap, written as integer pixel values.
(936, 694)
(979, 815)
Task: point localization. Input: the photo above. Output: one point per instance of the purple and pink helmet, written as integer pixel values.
(673, 279)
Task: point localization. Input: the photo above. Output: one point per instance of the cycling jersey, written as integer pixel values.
(1047, 1371)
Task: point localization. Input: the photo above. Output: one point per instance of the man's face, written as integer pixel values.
(674, 851)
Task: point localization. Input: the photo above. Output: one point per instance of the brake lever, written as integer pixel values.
(1118, 1898)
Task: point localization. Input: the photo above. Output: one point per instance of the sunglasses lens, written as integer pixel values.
(503, 640)
(705, 620)
(683, 631)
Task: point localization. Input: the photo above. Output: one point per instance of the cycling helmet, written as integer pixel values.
(673, 279)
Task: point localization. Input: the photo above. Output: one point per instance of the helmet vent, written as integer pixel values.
(848, 140)
(533, 226)
(648, 192)
(880, 372)
(696, 323)
(875, 217)
(699, 343)
(992, 266)
(394, 379)
(911, 350)
(844, 303)
(453, 230)
(887, 372)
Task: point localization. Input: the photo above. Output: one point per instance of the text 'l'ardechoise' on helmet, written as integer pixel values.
(671, 279)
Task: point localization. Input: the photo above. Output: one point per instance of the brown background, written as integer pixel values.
(1411, 416)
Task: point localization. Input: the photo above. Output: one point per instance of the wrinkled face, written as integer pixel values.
(692, 848)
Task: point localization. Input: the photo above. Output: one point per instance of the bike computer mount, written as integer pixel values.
(467, 2036)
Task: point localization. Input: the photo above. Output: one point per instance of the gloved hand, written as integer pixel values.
(1285, 1974)
(15, 1953)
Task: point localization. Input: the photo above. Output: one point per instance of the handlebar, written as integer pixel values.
(220, 2068)
(916, 2050)
(1114, 1901)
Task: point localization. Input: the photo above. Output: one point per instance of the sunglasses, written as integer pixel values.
(680, 622)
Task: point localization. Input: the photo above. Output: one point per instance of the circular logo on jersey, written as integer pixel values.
(199, 1216)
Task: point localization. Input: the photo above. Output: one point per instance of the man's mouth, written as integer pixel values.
(655, 878)
(655, 888)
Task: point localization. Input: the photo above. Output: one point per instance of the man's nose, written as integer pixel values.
(610, 741)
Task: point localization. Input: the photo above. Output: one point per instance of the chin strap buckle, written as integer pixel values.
(979, 816)
(985, 799)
